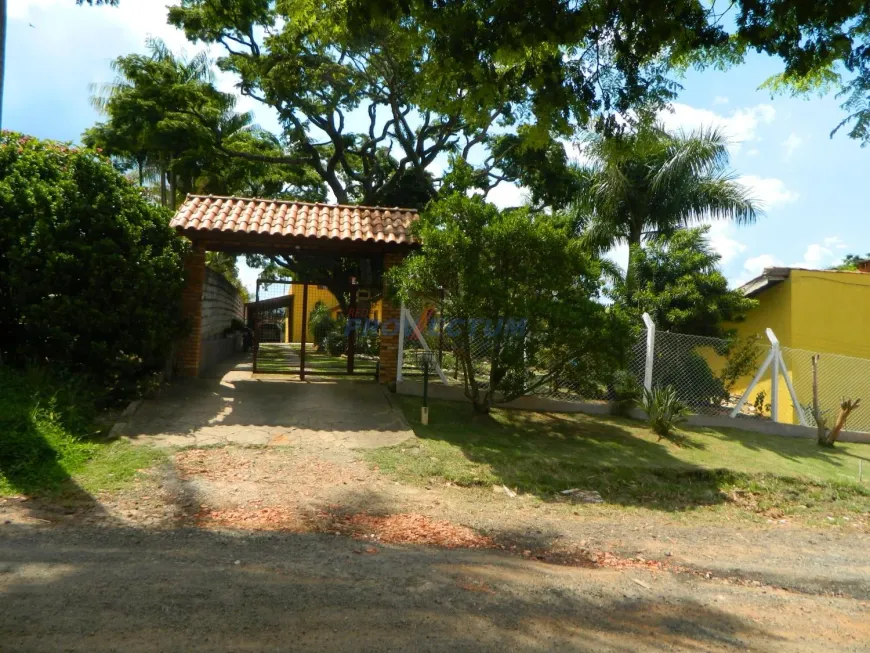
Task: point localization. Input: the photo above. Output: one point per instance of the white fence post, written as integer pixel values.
(774, 375)
(774, 358)
(650, 351)
(400, 359)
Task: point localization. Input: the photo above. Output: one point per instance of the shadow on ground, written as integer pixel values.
(200, 591)
(240, 408)
(547, 453)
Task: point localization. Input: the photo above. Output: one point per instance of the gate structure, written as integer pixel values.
(308, 329)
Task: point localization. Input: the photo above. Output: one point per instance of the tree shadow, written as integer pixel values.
(546, 453)
(31, 467)
(794, 449)
(197, 591)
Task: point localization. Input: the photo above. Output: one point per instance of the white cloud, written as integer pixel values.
(753, 152)
(740, 126)
(757, 264)
(815, 254)
(506, 195)
(722, 242)
(720, 99)
(770, 192)
(792, 143)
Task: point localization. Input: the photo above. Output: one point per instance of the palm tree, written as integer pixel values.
(648, 183)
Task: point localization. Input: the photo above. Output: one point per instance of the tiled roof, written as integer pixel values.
(208, 214)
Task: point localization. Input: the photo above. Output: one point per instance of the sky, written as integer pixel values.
(812, 187)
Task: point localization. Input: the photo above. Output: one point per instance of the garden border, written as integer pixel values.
(545, 404)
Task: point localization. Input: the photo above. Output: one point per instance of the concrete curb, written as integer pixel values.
(543, 404)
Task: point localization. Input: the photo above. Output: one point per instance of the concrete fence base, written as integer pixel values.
(544, 404)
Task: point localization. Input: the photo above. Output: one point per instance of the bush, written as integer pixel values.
(49, 432)
(91, 276)
(626, 393)
(321, 325)
(664, 410)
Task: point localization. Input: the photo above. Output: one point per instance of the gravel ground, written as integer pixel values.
(274, 549)
(114, 589)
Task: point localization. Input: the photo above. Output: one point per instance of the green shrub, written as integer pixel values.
(626, 392)
(50, 441)
(320, 324)
(664, 410)
(91, 273)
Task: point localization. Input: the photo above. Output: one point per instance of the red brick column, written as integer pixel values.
(191, 308)
(389, 349)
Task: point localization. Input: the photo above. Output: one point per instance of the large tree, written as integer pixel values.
(519, 294)
(91, 274)
(352, 80)
(149, 131)
(679, 283)
(645, 183)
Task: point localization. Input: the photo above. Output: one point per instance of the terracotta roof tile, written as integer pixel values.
(209, 214)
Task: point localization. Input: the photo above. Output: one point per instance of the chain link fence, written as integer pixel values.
(840, 377)
(710, 375)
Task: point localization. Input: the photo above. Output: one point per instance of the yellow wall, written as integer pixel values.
(831, 312)
(814, 311)
(315, 294)
(774, 311)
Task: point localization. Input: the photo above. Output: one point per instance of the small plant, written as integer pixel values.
(626, 393)
(664, 410)
(758, 403)
(320, 324)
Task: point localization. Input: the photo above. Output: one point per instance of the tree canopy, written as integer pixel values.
(678, 282)
(91, 273)
(646, 183)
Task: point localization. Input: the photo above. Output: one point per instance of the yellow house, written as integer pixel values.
(319, 294)
(814, 311)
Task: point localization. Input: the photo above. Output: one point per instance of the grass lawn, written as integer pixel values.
(285, 358)
(545, 453)
(50, 443)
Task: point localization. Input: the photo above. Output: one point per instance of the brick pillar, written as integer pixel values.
(191, 307)
(389, 349)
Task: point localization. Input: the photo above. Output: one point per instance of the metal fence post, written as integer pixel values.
(650, 351)
(774, 375)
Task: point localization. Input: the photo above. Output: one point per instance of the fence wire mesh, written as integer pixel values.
(839, 378)
(710, 375)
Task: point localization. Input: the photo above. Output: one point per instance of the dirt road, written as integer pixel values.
(108, 589)
(271, 549)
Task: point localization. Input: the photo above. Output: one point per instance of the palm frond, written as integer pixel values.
(702, 152)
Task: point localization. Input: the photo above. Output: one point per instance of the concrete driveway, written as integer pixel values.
(236, 407)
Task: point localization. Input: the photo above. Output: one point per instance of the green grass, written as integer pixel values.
(544, 453)
(50, 443)
(285, 358)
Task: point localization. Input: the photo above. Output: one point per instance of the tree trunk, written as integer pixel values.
(828, 438)
(172, 189)
(634, 245)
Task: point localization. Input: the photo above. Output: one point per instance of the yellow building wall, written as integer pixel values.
(813, 311)
(293, 323)
(774, 311)
(831, 312)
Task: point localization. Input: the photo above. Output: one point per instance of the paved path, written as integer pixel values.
(240, 408)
